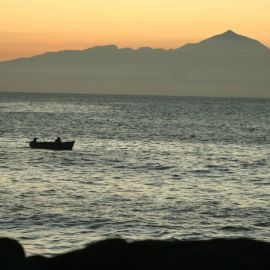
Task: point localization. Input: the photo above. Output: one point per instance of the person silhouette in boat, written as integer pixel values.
(58, 140)
(34, 140)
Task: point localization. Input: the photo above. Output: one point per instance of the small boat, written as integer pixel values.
(52, 145)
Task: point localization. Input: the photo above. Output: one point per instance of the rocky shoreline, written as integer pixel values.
(218, 254)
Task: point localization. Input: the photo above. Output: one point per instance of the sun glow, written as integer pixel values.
(35, 26)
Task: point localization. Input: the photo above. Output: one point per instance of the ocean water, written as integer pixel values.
(142, 167)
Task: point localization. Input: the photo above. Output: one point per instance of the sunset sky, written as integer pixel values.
(29, 27)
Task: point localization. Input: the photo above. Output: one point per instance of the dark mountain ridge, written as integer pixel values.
(227, 64)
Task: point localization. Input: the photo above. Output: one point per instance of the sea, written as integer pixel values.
(142, 167)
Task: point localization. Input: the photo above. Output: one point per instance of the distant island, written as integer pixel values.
(226, 64)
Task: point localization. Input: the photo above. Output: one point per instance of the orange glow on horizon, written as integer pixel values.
(35, 26)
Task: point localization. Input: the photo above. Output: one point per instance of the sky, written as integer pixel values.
(30, 27)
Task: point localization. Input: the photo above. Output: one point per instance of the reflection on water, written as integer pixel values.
(141, 167)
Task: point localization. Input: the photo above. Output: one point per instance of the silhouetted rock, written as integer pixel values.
(12, 254)
(37, 263)
(217, 254)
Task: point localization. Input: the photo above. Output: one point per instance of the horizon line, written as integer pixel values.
(129, 95)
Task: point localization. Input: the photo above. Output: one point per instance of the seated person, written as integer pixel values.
(34, 140)
(58, 140)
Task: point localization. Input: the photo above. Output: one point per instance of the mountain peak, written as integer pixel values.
(230, 39)
(230, 33)
(227, 35)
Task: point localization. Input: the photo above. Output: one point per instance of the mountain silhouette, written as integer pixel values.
(226, 64)
(230, 38)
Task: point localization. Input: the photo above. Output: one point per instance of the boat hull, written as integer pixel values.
(52, 145)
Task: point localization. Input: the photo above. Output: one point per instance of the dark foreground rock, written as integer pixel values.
(218, 254)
